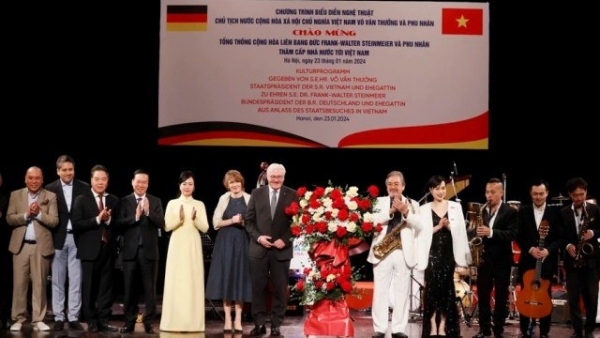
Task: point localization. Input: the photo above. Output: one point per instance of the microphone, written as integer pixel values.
(455, 169)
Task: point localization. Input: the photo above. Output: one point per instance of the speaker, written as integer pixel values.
(560, 307)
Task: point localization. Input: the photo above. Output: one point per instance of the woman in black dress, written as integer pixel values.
(443, 248)
(229, 275)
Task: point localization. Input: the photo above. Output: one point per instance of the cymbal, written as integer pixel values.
(560, 198)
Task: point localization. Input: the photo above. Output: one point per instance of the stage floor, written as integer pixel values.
(292, 328)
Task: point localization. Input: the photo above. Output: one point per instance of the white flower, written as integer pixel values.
(307, 194)
(334, 213)
(327, 202)
(368, 217)
(330, 277)
(332, 226)
(303, 203)
(352, 205)
(351, 227)
(328, 190)
(352, 192)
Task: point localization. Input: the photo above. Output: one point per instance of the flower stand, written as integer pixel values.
(330, 317)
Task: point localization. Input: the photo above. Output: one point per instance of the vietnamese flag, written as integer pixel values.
(462, 21)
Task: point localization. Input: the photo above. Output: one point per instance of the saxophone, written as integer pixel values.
(583, 247)
(392, 240)
(476, 244)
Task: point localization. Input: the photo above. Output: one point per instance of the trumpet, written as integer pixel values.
(583, 247)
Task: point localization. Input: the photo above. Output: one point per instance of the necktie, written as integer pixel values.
(395, 220)
(139, 201)
(102, 225)
(273, 203)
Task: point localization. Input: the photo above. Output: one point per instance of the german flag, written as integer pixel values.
(187, 18)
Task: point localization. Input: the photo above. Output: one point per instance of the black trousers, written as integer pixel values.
(496, 276)
(96, 289)
(583, 282)
(147, 271)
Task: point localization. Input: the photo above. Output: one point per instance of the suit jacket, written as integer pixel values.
(146, 227)
(528, 237)
(407, 235)
(571, 236)
(498, 248)
(59, 234)
(46, 220)
(458, 229)
(258, 221)
(87, 231)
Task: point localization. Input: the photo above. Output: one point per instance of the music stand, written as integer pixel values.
(421, 288)
(207, 250)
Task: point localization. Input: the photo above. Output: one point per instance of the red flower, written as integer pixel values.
(314, 203)
(346, 286)
(339, 203)
(319, 192)
(342, 215)
(336, 194)
(367, 227)
(296, 230)
(305, 219)
(321, 227)
(341, 232)
(301, 191)
(300, 285)
(292, 209)
(364, 204)
(354, 217)
(373, 191)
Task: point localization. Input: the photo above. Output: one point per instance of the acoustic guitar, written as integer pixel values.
(534, 301)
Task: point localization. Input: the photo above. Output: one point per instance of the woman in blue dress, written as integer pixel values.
(229, 274)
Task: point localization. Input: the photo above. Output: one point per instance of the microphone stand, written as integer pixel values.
(454, 186)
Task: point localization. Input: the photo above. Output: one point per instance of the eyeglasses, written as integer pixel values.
(393, 184)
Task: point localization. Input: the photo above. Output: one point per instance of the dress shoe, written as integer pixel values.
(40, 326)
(589, 335)
(148, 328)
(258, 330)
(544, 335)
(58, 325)
(399, 335)
(482, 334)
(93, 327)
(75, 325)
(107, 328)
(378, 335)
(129, 328)
(275, 331)
(576, 335)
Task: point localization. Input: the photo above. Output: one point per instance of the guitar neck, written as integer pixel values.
(538, 263)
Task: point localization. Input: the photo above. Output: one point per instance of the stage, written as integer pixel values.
(291, 328)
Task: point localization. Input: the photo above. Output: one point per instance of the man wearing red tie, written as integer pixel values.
(94, 217)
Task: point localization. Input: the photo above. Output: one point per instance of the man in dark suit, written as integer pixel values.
(270, 248)
(65, 262)
(141, 216)
(529, 239)
(581, 232)
(32, 212)
(498, 230)
(94, 217)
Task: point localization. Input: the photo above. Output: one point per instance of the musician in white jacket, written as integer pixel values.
(392, 272)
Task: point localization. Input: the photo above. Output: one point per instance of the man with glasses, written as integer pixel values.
(391, 274)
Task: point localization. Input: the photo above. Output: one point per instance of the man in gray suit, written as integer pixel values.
(32, 212)
(65, 262)
(270, 248)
